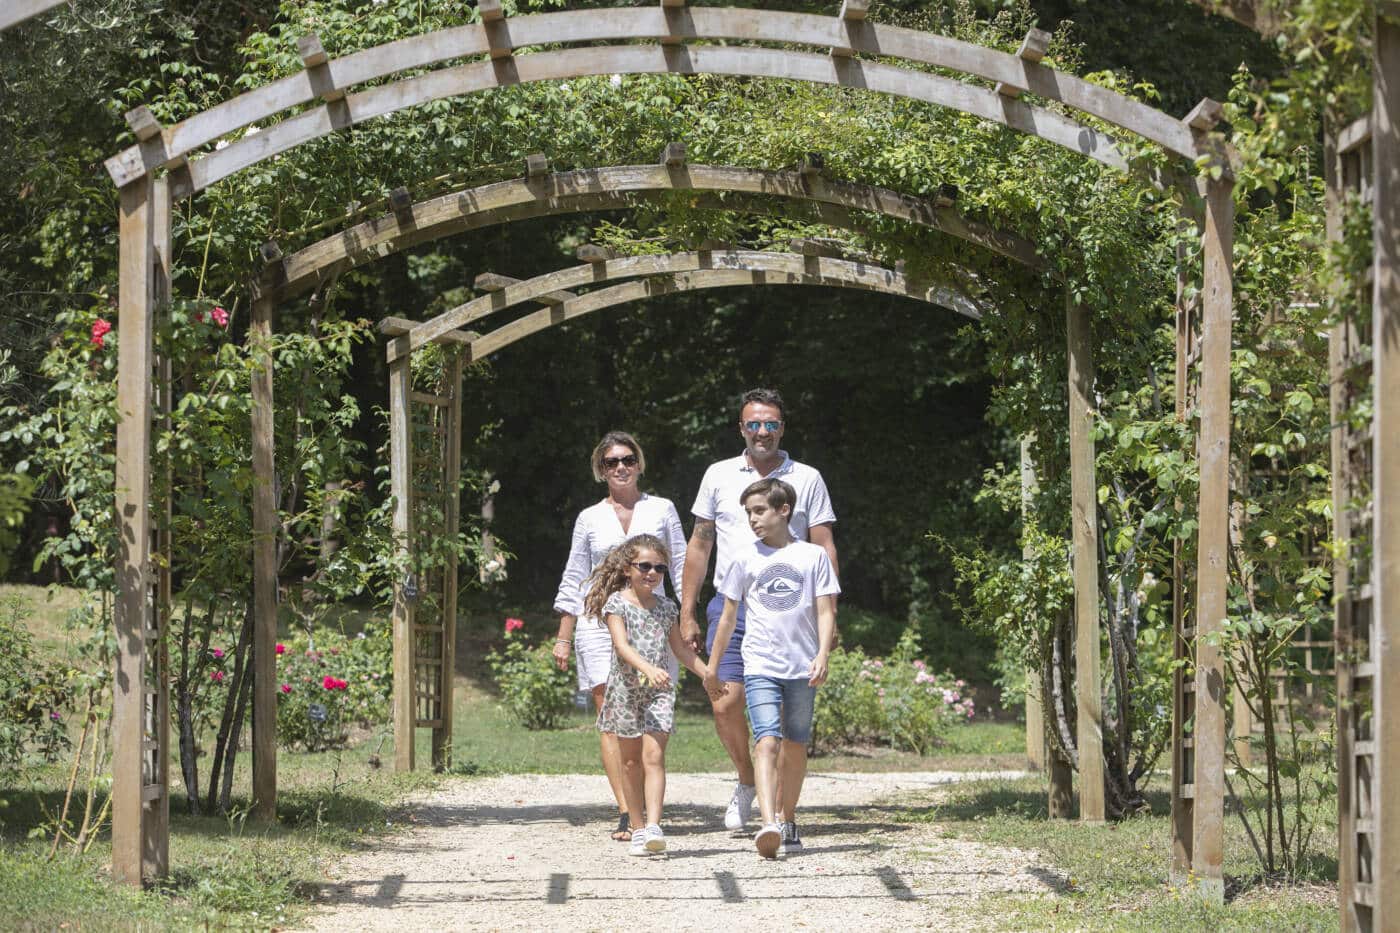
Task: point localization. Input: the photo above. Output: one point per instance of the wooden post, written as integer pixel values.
(1241, 720)
(1035, 712)
(131, 610)
(1213, 542)
(157, 829)
(452, 476)
(265, 530)
(1085, 530)
(1385, 453)
(401, 483)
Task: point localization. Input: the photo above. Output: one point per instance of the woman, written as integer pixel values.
(626, 511)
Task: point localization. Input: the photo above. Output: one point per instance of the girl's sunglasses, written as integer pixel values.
(612, 463)
(647, 567)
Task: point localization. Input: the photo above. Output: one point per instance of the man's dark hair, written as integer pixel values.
(763, 397)
(775, 491)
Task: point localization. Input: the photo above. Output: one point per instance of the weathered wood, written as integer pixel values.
(452, 470)
(399, 326)
(14, 12)
(270, 252)
(265, 530)
(143, 123)
(536, 165)
(673, 156)
(492, 282)
(1205, 116)
(854, 10)
(1354, 136)
(592, 252)
(785, 270)
(374, 64)
(1241, 720)
(858, 274)
(1035, 712)
(1084, 522)
(401, 479)
(1385, 459)
(1033, 49)
(156, 831)
(133, 526)
(1208, 809)
(622, 187)
(490, 10)
(400, 200)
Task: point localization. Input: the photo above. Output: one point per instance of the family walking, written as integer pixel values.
(770, 626)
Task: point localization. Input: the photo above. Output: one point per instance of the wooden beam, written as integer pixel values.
(1205, 116)
(14, 12)
(265, 531)
(143, 123)
(1385, 434)
(133, 525)
(1208, 734)
(1032, 50)
(492, 282)
(400, 326)
(536, 165)
(673, 156)
(490, 10)
(854, 10)
(1355, 135)
(156, 843)
(592, 252)
(812, 165)
(401, 484)
(318, 71)
(1035, 710)
(1085, 536)
(852, 16)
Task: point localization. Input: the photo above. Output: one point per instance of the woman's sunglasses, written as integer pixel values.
(612, 463)
(646, 567)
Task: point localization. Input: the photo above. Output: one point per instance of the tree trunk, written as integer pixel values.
(226, 723)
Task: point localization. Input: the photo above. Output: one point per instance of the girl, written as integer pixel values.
(639, 704)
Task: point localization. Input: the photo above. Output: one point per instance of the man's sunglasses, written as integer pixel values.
(647, 567)
(612, 463)
(769, 426)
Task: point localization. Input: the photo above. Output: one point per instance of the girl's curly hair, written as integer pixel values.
(611, 575)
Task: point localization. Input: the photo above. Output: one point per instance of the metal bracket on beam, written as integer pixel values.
(673, 156)
(493, 20)
(852, 17)
(1205, 116)
(317, 63)
(536, 165)
(492, 282)
(591, 252)
(1032, 50)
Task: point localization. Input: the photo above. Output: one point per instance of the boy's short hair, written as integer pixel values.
(763, 397)
(774, 491)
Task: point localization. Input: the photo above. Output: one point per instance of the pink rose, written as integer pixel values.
(513, 625)
(286, 688)
(281, 648)
(217, 677)
(220, 316)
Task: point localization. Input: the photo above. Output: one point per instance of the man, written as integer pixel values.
(720, 516)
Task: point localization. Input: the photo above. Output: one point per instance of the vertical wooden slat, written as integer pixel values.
(265, 529)
(1182, 648)
(133, 520)
(1241, 720)
(1085, 531)
(452, 475)
(157, 828)
(1385, 433)
(1208, 810)
(1035, 712)
(401, 484)
(1339, 346)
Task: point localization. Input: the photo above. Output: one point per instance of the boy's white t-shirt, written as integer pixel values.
(779, 589)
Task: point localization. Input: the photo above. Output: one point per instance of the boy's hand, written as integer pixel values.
(712, 685)
(816, 674)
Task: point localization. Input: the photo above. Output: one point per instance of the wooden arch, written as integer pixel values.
(141, 715)
(725, 187)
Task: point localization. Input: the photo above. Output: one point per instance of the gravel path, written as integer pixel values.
(532, 852)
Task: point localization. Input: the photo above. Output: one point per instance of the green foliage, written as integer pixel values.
(534, 691)
(35, 698)
(894, 700)
(314, 711)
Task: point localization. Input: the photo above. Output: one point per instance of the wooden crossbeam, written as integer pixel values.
(1032, 50)
(591, 252)
(399, 326)
(1204, 116)
(536, 165)
(673, 156)
(493, 282)
(317, 64)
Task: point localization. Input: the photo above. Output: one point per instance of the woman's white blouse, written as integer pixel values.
(597, 531)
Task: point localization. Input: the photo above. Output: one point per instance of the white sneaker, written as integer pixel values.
(640, 839)
(656, 839)
(740, 809)
(769, 840)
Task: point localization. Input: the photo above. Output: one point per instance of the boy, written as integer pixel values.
(789, 590)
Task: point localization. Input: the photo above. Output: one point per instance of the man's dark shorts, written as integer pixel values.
(731, 666)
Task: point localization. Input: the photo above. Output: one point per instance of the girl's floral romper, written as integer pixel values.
(629, 706)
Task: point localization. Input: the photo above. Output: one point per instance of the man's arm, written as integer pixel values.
(697, 561)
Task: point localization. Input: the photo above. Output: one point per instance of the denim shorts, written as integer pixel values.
(731, 666)
(781, 709)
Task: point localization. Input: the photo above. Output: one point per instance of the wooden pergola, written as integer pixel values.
(335, 94)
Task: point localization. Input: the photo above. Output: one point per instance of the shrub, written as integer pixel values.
(895, 700)
(534, 692)
(33, 697)
(329, 682)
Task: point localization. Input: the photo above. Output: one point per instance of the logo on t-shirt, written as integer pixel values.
(779, 587)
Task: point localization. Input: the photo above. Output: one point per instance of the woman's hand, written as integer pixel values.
(562, 649)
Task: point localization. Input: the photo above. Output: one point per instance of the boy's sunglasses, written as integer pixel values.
(647, 567)
(612, 463)
(769, 426)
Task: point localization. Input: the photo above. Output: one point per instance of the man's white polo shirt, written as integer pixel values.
(718, 501)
